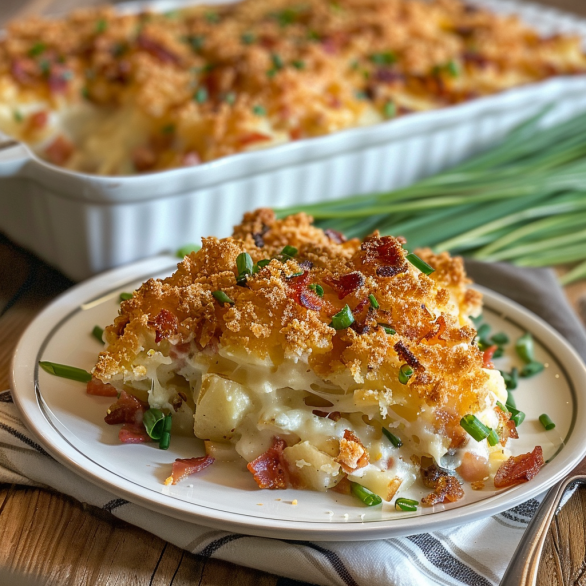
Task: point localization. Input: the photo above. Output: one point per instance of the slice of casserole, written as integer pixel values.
(315, 359)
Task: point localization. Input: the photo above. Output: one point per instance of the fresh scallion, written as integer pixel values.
(373, 302)
(201, 95)
(405, 373)
(493, 438)
(259, 110)
(37, 49)
(502, 407)
(165, 441)
(511, 378)
(474, 427)
(98, 333)
(366, 496)
(384, 58)
(125, 296)
(261, 264)
(222, 298)
(389, 109)
(407, 505)
(289, 251)
(524, 348)
(392, 438)
(419, 264)
(517, 417)
(153, 420)
(388, 329)
(511, 403)
(244, 266)
(187, 250)
(531, 369)
(248, 38)
(64, 371)
(343, 319)
(298, 64)
(546, 421)
(317, 289)
(500, 339)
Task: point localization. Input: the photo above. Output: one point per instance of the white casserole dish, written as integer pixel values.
(84, 224)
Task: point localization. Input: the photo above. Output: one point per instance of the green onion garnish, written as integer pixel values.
(406, 505)
(531, 369)
(517, 417)
(373, 301)
(419, 264)
(318, 289)
(261, 264)
(166, 435)
(196, 42)
(385, 58)
(154, 420)
(500, 339)
(388, 329)
(125, 296)
(392, 438)
(289, 251)
(343, 319)
(17, 115)
(259, 110)
(230, 98)
(168, 129)
(474, 427)
(212, 17)
(483, 331)
(511, 401)
(511, 379)
(502, 407)
(201, 95)
(493, 438)
(187, 250)
(476, 320)
(222, 298)
(101, 25)
(98, 333)
(64, 371)
(405, 373)
(244, 266)
(37, 49)
(298, 64)
(524, 348)
(390, 110)
(546, 421)
(453, 69)
(247, 38)
(277, 61)
(366, 496)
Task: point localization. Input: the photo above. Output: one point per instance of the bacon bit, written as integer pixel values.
(190, 159)
(302, 295)
(360, 306)
(343, 487)
(448, 489)
(431, 472)
(487, 356)
(166, 325)
(100, 389)
(353, 454)
(406, 355)
(387, 253)
(253, 137)
(448, 424)
(59, 151)
(58, 79)
(183, 467)
(128, 409)
(306, 265)
(310, 300)
(346, 284)
(334, 415)
(133, 434)
(157, 50)
(476, 59)
(270, 469)
(258, 240)
(506, 428)
(360, 328)
(38, 120)
(473, 467)
(143, 158)
(295, 133)
(335, 236)
(388, 76)
(23, 71)
(519, 469)
(439, 327)
(390, 271)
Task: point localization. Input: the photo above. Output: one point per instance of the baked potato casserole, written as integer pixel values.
(109, 93)
(323, 363)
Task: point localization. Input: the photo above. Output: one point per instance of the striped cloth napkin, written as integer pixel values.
(455, 556)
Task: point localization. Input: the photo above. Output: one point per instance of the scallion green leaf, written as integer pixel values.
(546, 421)
(390, 110)
(500, 339)
(366, 496)
(419, 264)
(392, 438)
(37, 49)
(405, 373)
(388, 329)
(343, 319)
(493, 438)
(259, 110)
(474, 427)
(64, 371)
(531, 369)
(517, 417)
(407, 505)
(318, 289)
(153, 420)
(289, 251)
(524, 348)
(125, 296)
(201, 95)
(244, 266)
(373, 302)
(98, 333)
(222, 298)
(187, 250)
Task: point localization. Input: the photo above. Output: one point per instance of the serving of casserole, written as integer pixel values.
(112, 93)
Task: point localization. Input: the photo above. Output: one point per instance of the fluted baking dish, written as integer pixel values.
(83, 224)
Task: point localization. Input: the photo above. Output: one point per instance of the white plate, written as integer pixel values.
(69, 424)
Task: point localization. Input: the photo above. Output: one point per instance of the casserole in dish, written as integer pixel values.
(85, 223)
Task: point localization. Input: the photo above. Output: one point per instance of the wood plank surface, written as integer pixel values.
(48, 538)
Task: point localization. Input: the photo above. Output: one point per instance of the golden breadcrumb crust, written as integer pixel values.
(212, 81)
(277, 314)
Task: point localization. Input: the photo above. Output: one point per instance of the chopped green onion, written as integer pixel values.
(17, 115)
(390, 110)
(405, 373)
(500, 339)
(154, 420)
(248, 38)
(498, 352)
(98, 333)
(343, 319)
(299, 274)
(197, 42)
(64, 371)
(388, 329)
(385, 58)
(277, 61)
(366, 496)
(419, 264)
(531, 369)
(222, 298)
(101, 25)
(502, 407)
(511, 403)
(546, 421)
(187, 250)
(165, 440)
(373, 301)
(517, 417)
(313, 36)
(476, 320)
(493, 438)
(318, 289)
(201, 95)
(125, 296)
(261, 264)
(230, 98)
(244, 266)
(168, 129)
(37, 49)
(511, 379)
(483, 331)
(408, 505)
(298, 64)
(212, 17)
(453, 69)
(289, 251)
(259, 110)
(474, 427)
(392, 438)
(360, 95)
(524, 348)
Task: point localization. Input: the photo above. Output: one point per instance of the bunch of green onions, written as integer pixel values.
(522, 201)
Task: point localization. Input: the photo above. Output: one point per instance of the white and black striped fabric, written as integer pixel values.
(475, 554)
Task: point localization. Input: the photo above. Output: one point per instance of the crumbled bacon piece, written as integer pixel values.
(302, 295)
(183, 467)
(59, 151)
(58, 79)
(386, 253)
(353, 454)
(270, 469)
(335, 236)
(143, 158)
(447, 489)
(38, 120)
(506, 428)
(100, 389)
(519, 469)
(157, 50)
(406, 355)
(431, 472)
(333, 415)
(166, 324)
(253, 137)
(133, 434)
(386, 75)
(128, 409)
(487, 356)
(437, 329)
(23, 70)
(310, 300)
(360, 306)
(346, 284)
(390, 271)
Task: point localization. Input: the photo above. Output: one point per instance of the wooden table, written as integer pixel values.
(74, 544)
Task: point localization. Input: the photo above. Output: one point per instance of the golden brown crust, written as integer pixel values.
(276, 314)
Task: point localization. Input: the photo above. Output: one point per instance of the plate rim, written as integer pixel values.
(24, 393)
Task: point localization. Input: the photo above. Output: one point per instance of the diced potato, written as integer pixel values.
(221, 451)
(366, 397)
(385, 484)
(495, 459)
(313, 468)
(221, 406)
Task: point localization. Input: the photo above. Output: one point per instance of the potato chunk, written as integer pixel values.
(385, 484)
(312, 468)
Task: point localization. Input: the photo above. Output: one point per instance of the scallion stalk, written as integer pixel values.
(392, 438)
(64, 371)
(408, 505)
(369, 498)
(343, 319)
(546, 421)
(474, 427)
(98, 333)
